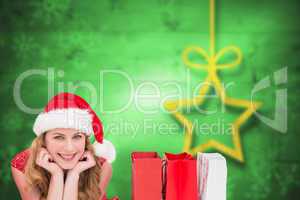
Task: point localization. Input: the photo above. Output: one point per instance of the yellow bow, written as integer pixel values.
(211, 64)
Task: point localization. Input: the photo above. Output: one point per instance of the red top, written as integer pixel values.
(19, 161)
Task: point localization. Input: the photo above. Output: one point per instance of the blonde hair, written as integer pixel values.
(39, 178)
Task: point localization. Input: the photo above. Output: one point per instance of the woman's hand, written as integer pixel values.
(45, 160)
(87, 161)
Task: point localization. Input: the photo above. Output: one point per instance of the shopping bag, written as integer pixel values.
(212, 176)
(146, 176)
(180, 177)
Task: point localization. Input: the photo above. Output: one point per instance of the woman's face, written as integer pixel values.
(66, 146)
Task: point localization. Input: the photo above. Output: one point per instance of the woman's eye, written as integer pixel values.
(77, 137)
(58, 137)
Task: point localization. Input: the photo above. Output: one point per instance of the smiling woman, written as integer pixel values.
(61, 162)
(66, 146)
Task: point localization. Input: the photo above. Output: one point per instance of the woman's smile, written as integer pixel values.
(67, 157)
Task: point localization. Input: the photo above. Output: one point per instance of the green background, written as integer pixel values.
(145, 39)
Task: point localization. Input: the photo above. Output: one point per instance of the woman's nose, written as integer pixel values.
(69, 146)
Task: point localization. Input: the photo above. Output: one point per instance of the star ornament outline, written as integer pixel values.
(212, 66)
(173, 106)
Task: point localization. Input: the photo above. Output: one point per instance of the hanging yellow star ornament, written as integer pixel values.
(212, 66)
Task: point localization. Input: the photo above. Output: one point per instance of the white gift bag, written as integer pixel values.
(212, 176)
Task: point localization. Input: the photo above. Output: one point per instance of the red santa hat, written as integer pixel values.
(66, 110)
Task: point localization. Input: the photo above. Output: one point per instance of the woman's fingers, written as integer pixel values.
(89, 155)
(42, 152)
(85, 156)
(43, 157)
(87, 162)
(39, 156)
(45, 160)
(90, 158)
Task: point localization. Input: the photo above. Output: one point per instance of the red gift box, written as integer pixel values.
(174, 178)
(146, 176)
(181, 177)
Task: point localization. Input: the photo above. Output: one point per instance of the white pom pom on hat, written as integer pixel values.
(106, 148)
(67, 110)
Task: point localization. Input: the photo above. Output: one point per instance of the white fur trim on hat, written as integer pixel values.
(105, 150)
(75, 118)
